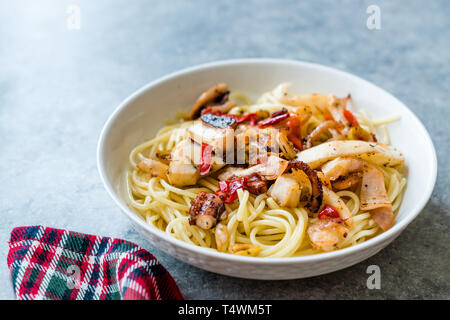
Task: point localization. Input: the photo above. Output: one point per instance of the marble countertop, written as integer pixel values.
(58, 84)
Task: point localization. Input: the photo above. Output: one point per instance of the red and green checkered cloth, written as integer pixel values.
(55, 264)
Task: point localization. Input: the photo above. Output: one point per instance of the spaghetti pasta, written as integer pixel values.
(256, 221)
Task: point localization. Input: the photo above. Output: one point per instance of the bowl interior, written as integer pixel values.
(142, 115)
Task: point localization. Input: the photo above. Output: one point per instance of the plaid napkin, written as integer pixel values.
(55, 264)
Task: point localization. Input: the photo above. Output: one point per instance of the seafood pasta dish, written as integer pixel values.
(285, 175)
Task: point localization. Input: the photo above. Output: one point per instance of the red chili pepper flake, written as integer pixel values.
(279, 112)
(252, 117)
(228, 189)
(296, 141)
(254, 120)
(294, 125)
(351, 118)
(212, 111)
(273, 120)
(205, 161)
(374, 137)
(329, 213)
(294, 132)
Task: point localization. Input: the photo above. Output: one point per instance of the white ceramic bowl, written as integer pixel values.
(143, 113)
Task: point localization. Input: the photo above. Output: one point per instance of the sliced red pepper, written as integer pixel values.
(211, 110)
(351, 118)
(279, 112)
(294, 132)
(329, 213)
(228, 189)
(273, 120)
(294, 125)
(223, 190)
(252, 117)
(295, 141)
(254, 120)
(235, 184)
(205, 161)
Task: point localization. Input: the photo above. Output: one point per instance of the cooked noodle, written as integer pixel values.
(256, 220)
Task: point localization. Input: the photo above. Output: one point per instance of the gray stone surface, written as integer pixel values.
(57, 88)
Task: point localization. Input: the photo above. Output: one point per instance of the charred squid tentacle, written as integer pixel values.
(316, 198)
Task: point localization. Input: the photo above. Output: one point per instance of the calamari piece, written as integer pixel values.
(182, 169)
(191, 152)
(304, 113)
(286, 191)
(221, 237)
(273, 167)
(319, 101)
(347, 182)
(316, 198)
(375, 199)
(321, 129)
(384, 217)
(372, 152)
(250, 138)
(345, 172)
(326, 235)
(270, 168)
(332, 199)
(221, 139)
(309, 103)
(305, 183)
(182, 173)
(154, 167)
(336, 109)
(373, 191)
(277, 141)
(231, 172)
(342, 167)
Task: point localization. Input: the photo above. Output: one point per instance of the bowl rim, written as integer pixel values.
(370, 243)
